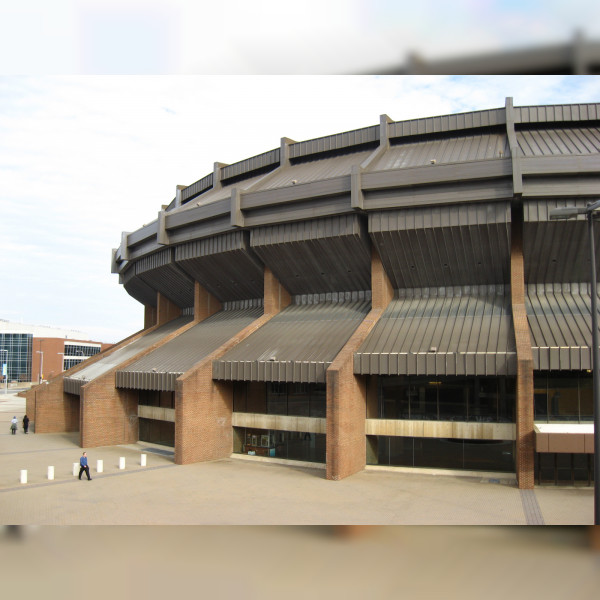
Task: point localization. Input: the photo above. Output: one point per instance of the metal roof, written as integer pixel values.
(461, 244)
(555, 251)
(559, 141)
(73, 384)
(451, 331)
(448, 150)
(560, 324)
(314, 170)
(159, 369)
(296, 345)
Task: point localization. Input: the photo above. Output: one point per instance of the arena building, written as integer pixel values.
(394, 295)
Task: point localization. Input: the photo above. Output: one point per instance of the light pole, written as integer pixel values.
(41, 377)
(5, 371)
(568, 213)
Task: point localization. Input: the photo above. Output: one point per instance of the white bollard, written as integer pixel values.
(100, 466)
(75, 468)
(23, 475)
(121, 462)
(143, 460)
(51, 473)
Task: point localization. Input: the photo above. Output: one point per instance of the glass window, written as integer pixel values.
(298, 399)
(290, 445)
(277, 398)
(563, 397)
(318, 400)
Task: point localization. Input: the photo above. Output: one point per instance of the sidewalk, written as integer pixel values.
(245, 492)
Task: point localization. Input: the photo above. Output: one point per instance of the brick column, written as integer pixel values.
(165, 310)
(524, 409)
(346, 392)
(109, 414)
(204, 407)
(205, 304)
(150, 316)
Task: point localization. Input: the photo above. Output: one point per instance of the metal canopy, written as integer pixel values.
(560, 324)
(315, 256)
(72, 384)
(297, 345)
(444, 246)
(159, 369)
(452, 331)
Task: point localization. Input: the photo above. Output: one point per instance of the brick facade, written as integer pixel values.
(50, 409)
(109, 414)
(524, 409)
(347, 393)
(203, 407)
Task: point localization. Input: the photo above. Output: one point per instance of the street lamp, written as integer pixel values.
(41, 377)
(5, 371)
(570, 212)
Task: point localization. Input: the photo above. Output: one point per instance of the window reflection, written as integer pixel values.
(563, 398)
(478, 399)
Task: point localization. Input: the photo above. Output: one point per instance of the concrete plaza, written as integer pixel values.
(243, 491)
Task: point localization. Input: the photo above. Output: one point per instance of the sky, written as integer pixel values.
(83, 158)
(272, 36)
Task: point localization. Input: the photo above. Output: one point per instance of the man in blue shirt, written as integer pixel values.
(83, 466)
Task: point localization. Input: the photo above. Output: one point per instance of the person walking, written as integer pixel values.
(13, 425)
(83, 466)
(25, 423)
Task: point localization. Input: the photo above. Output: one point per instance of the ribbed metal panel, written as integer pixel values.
(73, 383)
(320, 255)
(297, 345)
(561, 326)
(251, 164)
(314, 170)
(156, 260)
(225, 265)
(429, 195)
(446, 150)
(470, 120)
(159, 272)
(221, 244)
(159, 369)
(450, 331)
(559, 142)
(197, 188)
(444, 246)
(558, 112)
(335, 142)
(141, 291)
(556, 251)
(146, 232)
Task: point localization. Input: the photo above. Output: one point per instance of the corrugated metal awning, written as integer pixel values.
(453, 331)
(560, 322)
(444, 245)
(297, 345)
(159, 369)
(72, 384)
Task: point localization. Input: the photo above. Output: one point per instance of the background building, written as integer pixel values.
(394, 295)
(37, 352)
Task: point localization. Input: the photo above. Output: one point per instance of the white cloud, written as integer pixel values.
(83, 158)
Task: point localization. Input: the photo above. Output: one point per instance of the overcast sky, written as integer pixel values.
(272, 36)
(83, 158)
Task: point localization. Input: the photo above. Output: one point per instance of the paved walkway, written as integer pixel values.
(244, 492)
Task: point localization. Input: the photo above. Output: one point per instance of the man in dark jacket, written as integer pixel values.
(25, 423)
(83, 466)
